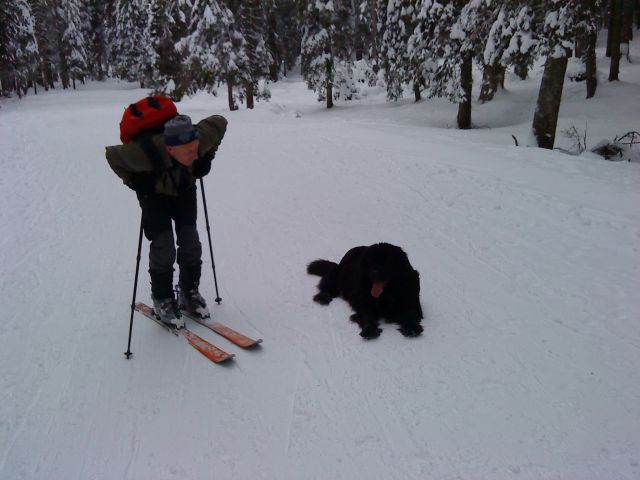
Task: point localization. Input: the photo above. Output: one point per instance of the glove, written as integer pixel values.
(142, 184)
(202, 166)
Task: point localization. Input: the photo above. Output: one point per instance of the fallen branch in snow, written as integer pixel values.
(621, 148)
(579, 141)
(633, 138)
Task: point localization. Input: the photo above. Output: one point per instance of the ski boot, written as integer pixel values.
(167, 312)
(193, 304)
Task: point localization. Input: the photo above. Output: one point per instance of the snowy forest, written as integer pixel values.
(349, 123)
(424, 48)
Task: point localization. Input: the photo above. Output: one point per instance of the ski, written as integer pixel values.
(209, 350)
(230, 334)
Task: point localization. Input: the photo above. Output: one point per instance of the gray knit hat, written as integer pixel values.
(179, 130)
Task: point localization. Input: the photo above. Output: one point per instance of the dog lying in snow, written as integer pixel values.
(378, 282)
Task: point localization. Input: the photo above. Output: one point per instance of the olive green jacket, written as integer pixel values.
(169, 177)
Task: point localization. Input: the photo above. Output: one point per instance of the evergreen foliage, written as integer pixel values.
(215, 49)
(18, 47)
(523, 42)
(252, 22)
(128, 40)
(165, 26)
(326, 58)
(402, 65)
(72, 22)
(421, 46)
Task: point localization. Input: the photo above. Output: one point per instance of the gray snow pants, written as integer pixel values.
(158, 211)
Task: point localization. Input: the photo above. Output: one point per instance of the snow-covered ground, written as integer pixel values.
(530, 261)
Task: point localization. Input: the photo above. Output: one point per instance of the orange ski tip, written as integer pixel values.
(237, 338)
(210, 351)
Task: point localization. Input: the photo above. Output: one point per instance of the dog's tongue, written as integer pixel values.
(376, 289)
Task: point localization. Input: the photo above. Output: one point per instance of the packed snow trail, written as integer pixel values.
(529, 263)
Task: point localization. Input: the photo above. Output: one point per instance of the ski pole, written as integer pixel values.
(213, 263)
(135, 289)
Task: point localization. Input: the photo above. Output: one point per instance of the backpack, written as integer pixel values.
(146, 116)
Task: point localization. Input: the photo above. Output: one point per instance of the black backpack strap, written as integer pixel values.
(153, 103)
(133, 108)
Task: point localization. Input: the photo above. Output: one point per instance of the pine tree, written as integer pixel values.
(274, 39)
(316, 57)
(128, 41)
(344, 83)
(215, 49)
(498, 40)
(626, 33)
(100, 15)
(556, 40)
(46, 39)
(378, 29)
(18, 48)
(615, 27)
(165, 28)
(283, 36)
(432, 49)
(523, 45)
(364, 42)
(253, 25)
(450, 36)
(326, 51)
(586, 30)
(73, 56)
(401, 66)
(472, 30)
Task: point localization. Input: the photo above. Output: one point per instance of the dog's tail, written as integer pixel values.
(321, 267)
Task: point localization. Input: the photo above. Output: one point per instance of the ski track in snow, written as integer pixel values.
(529, 266)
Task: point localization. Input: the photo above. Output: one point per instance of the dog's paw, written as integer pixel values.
(322, 298)
(411, 330)
(371, 332)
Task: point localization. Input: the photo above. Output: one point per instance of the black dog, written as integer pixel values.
(378, 282)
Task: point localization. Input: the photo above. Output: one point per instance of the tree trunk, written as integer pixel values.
(232, 102)
(616, 26)
(374, 36)
(417, 87)
(48, 79)
(329, 85)
(492, 79)
(17, 88)
(522, 71)
(249, 92)
(612, 15)
(580, 43)
(545, 118)
(627, 28)
(466, 82)
(64, 71)
(590, 64)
